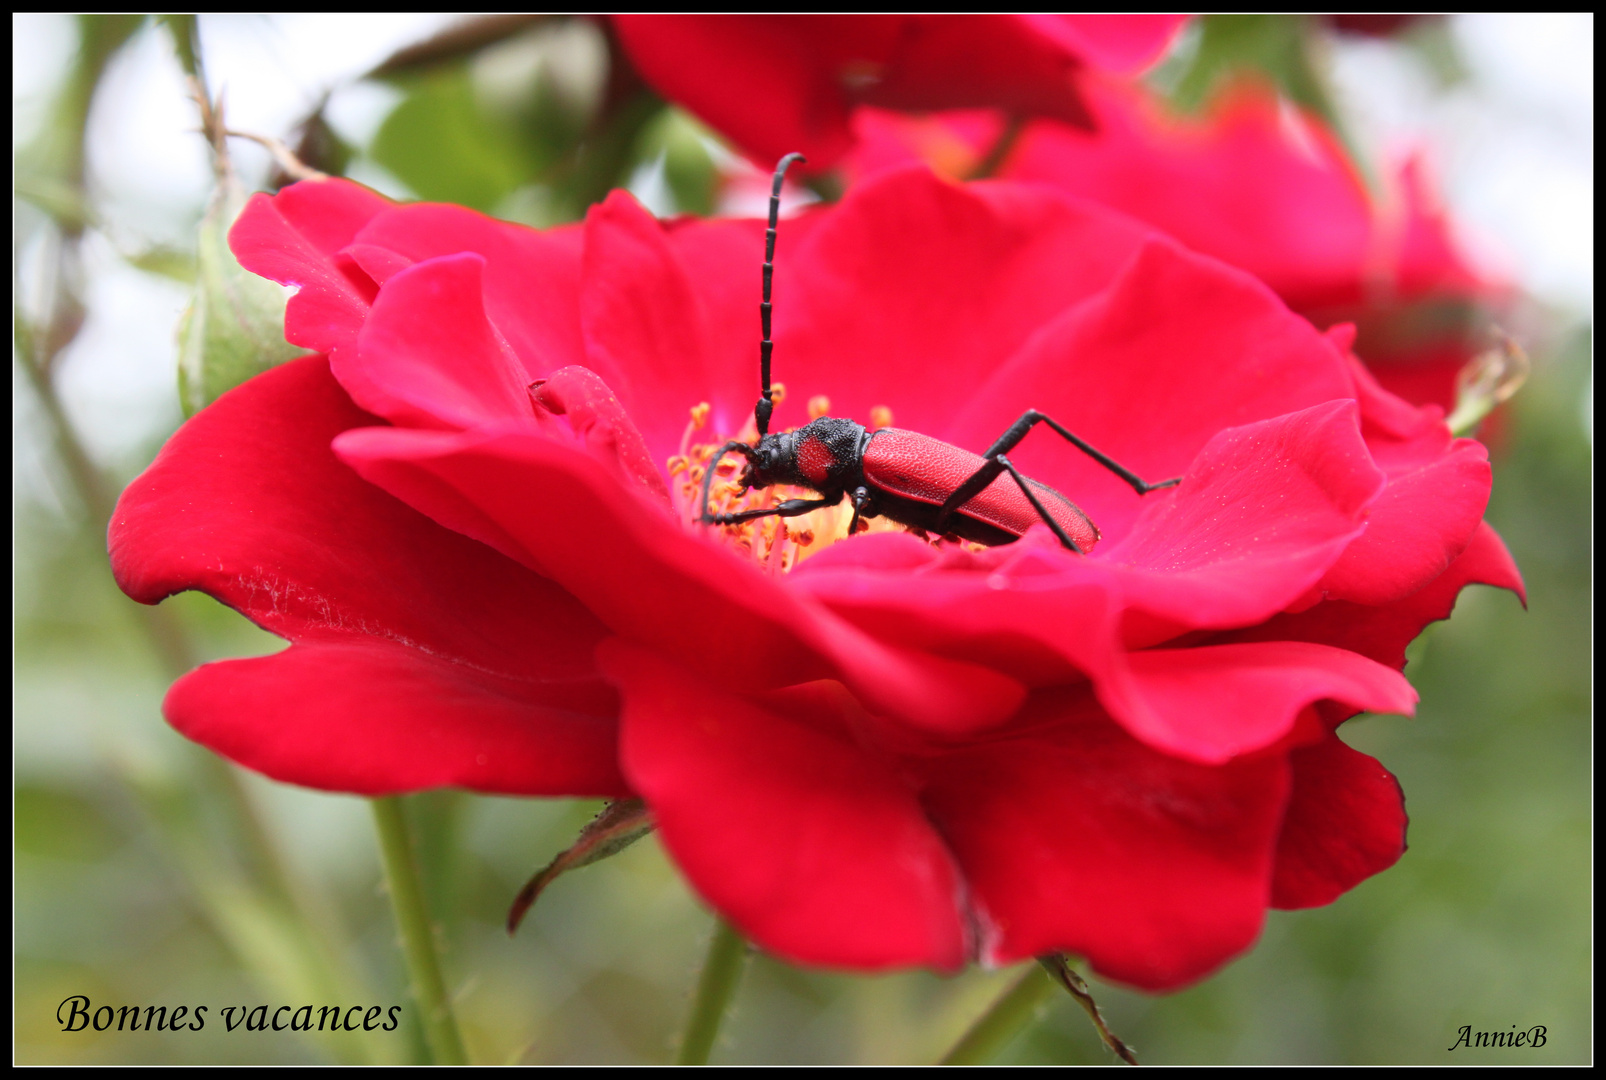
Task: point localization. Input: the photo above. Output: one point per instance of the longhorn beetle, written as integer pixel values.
(911, 478)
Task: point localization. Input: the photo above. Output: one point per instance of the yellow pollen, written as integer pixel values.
(777, 392)
(880, 417)
(819, 405)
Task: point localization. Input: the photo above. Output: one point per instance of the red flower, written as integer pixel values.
(778, 83)
(895, 752)
(1258, 184)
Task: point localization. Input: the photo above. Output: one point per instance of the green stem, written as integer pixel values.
(1007, 138)
(417, 936)
(727, 955)
(1005, 1020)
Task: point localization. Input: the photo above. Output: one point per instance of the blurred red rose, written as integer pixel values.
(887, 752)
(778, 83)
(1257, 183)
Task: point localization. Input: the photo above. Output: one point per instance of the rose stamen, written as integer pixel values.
(775, 544)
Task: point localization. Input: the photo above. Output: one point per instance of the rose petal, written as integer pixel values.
(532, 278)
(1213, 703)
(815, 848)
(642, 318)
(1382, 632)
(428, 356)
(1078, 838)
(652, 582)
(876, 306)
(725, 259)
(598, 420)
(1174, 349)
(294, 238)
(778, 83)
(1256, 184)
(1345, 822)
(1261, 514)
(1416, 527)
(784, 102)
(247, 503)
(1123, 44)
(374, 717)
(1024, 609)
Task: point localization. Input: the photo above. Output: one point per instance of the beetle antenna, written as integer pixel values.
(765, 406)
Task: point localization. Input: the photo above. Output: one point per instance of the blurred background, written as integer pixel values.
(149, 872)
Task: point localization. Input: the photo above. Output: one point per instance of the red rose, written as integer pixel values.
(894, 752)
(778, 83)
(1259, 184)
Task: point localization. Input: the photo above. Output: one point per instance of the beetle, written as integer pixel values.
(911, 478)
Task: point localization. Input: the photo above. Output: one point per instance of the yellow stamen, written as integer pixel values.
(699, 417)
(776, 544)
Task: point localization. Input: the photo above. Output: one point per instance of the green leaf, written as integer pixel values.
(1278, 47)
(446, 148)
(620, 824)
(234, 327)
(688, 166)
(169, 262)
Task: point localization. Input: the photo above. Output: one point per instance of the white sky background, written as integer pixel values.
(1513, 148)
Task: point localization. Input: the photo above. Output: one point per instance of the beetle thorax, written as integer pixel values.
(823, 455)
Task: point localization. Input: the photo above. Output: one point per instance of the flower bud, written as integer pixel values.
(234, 326)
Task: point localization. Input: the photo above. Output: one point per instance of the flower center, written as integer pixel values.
(776, 543)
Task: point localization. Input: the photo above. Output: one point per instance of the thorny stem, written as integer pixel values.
(1018, 1007)
(283, 156)
(1007, 1017)
(417, 935)
(727, 955)
(1060, 968)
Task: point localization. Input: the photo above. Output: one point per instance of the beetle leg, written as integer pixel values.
(862, 501)
(1031, 497)
(789, 508)
(972, 487)
(1017, 431)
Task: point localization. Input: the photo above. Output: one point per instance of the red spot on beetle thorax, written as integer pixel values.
(815, 460)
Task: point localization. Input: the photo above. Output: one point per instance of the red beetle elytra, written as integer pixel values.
(910, 478)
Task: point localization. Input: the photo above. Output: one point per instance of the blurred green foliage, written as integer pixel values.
(1270, 47)
(440, 143)
(139, 878)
